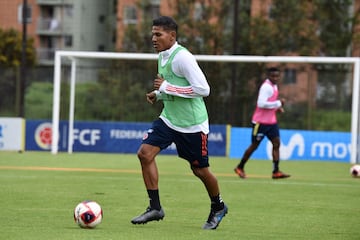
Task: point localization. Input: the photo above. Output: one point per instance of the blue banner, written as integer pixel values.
(296, 145)
(110, 137)
(125, 137)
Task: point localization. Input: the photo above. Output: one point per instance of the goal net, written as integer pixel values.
(322, 92)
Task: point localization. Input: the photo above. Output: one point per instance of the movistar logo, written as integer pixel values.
(296, 142)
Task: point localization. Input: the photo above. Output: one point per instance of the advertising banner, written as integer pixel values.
(12, 134)
(296, 145)
(110, 137)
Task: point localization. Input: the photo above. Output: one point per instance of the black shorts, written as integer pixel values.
(259, 131)
(190, 146)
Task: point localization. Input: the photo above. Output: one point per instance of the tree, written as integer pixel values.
(336, 27)
(211, 27)
(338, 36)
(290, 27)
(206, 27)
(310, 28)
(11, 48)
(195, 33)
(10, 59)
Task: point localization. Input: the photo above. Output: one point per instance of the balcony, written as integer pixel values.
(53, 27)
(54, 2)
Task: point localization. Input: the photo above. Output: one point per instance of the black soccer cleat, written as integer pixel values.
(149, 215)
(215, 218)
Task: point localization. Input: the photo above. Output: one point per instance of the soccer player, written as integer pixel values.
(181, 86)
(264, 123)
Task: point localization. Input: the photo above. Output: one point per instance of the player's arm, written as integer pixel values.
(185, 65)
(156, 95)
(265, 93)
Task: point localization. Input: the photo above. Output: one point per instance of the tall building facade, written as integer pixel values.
(89, 25)
(81, 25)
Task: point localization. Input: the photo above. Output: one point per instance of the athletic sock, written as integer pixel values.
(217, 203)
(154, 199)
(242, 164)
(275, 166)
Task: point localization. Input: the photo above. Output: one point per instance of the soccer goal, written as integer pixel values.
(75, 58)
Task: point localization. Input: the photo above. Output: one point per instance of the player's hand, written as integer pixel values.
(282, 100)
(281, 109)
(158, 81)
(151, 97)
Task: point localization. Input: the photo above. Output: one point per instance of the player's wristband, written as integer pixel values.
(158, 94)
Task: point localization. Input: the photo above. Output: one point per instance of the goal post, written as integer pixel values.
(74, 56)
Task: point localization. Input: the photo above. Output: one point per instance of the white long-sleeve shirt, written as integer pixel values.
(185, 65)
(265, 93)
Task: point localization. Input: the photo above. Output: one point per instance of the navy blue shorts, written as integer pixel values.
(190, 146)
(259, 131)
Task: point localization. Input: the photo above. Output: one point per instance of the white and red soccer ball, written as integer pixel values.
(355, 170)
(88, 214)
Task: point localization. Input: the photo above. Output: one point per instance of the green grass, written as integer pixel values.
(38, 192)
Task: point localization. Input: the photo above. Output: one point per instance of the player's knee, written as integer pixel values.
(254, 146)
(276, 145)
(143, 156)
(196, 171)
(200, 172)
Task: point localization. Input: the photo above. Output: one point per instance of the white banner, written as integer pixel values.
(12, 134)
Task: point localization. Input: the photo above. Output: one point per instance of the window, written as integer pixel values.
(198, 11)
(152, 10)
(271, 13)
(156, 11)
(69, 11)
(101, 48)
(289, 76)
(101, 18)
(130, 16)
(68, 41)
(28, 13)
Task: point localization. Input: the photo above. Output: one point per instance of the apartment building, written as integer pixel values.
(11, 16)
(81, 25)
(99, 25)
(88, 25)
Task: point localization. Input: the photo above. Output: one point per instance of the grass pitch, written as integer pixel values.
(39, 191)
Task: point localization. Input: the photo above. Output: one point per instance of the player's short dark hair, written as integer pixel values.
(273, 69)
(166, 22)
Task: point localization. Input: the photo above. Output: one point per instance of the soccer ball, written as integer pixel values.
(88, 214)
(355, 170)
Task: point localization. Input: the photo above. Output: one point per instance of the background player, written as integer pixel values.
(264, 123)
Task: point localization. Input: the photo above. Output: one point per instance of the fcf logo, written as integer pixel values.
(43, 135)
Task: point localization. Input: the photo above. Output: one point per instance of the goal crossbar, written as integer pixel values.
(73, 56)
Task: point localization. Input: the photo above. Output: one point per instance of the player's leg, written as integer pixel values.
(218, 208)
(193, 148)
(146, 155)
(256, 138)
(274, 136)
(275, 153)
(248, 152)
(211, 184)
(157, 138)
